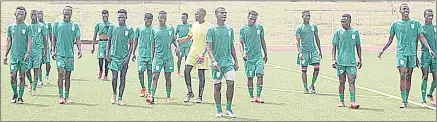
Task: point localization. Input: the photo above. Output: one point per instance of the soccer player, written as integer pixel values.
(220, 46)
(306, 36)
(65, 33)
(163, 37)
(252, 43)
(39, 47)
(118, 52)
(408, 32)
(46, 60)
(345, 40)
(19, 41)
(196, 57)
(428, 63)
(101, 28)
(182, 30)
(144, 37)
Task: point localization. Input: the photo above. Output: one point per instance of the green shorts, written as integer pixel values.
(308, 58)
(183, 51)
(427, 62)
(224, 71)
(348, 69)
(101, 52)
(408, 61)
(18, 63)
(158, 64)
(144, 63)
(47, 59)
(65, 62)
(35, 61)
(116, 64)
(254, 67)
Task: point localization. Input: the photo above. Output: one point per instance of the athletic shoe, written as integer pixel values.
(67, 100)
(40, 83)
(20, 101)
(48, 79)
(105, 78)
(431, 99)
(114, 96)
(61, 100)
(230, 113)
(100, 74)
(33, 92)
(341, 104)
(29, 87)
(199, 100)
(120, 102)
(259, 100)
(150, 100)
(218, 115)
(403, 105)
(252, 99)
(306, 91)
(188, 97)
(169, 100)
(178, 73)
(354, 105)
(14, 99)
(143, 92)
(313, 90)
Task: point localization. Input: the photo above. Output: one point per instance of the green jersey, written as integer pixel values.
(430, 35)
(163, 38)
(19, 34)
(222, 39)
(120, 36)
(37, 31)
(102, 27)
(182, 31)
(48, 28)
(306, 33)
(346, 41)
(66, 33)
(406, 33)
(252, 40)
(145, 36)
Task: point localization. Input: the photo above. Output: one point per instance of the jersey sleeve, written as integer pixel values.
(232, 39)
(131, 33)
(77, 33)
(9, 31)
(336, 38)
(358, 38)
(137, 33)
(29, 31)
(55, 28)
(209, 34)
(316, 29)
(392, 29)
(262, 30)
(242, 32)
(96, 27)
(298, 31)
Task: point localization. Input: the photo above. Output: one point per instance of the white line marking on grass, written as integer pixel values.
(360, 87)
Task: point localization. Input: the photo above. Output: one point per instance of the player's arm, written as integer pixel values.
(264, 46)
(44, 38)
(129, 51)
(8, 49)
(78, 42)
(234, 55)
(210, 51)
(316, 35)
(29, 47)
(242, 49)
(425, 42)
(153, 50)
(185, 39)
(96, 28)
(108, 48)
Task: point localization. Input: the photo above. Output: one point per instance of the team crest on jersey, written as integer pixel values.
(12, 67)
(312, 28)
(169, 33)
(47, 26)
(126, 33)
(353, 36)
(402, 62)
(412, 26)
(258, 32)
(217, 74)
(229, 33)
(435, 30)
(23, 31)
(39, 30)
(73, 28)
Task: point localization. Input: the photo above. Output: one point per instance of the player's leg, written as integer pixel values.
(100, 68)
(35, 78)
(61, 75)
(167, 76)
(67, 85)
(425, 72)
(114, 86)
(250, 73)
(217, 96)
(230, 78)
(201, 74)
(342, 80)
(315, 75)
(403, 77)
(122, 84)
(250, 88)
(143, 87)
(106, 70)
(21, 88)
(149, 80)
(304, 79)
(259, 87)
(187, 76)
(14, 86)
(30, 79)
(351, 78)
(48, 68)
(40, 83)
(433, 85)
(179, 65)
(408, 82)
(151, 99)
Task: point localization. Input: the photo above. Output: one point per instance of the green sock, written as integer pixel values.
(34, 84)
(40, 76)
(219, 108)
(114, 93)
(14, 88)
(313, 81)
(403, 95)
(250, 91)
(168, 89)
(119, 98)
(423, 90)
(141, 77)
(406, 96)
(61, 92)
(352, 96)
(228, 105)
(153, 91)
(431, 90)
(21, 92)
(179, 67)
(149, 81)
(47, 73)
(30, 79)
(67, 94)
(341, 97)
(305, 86)
(258, 90)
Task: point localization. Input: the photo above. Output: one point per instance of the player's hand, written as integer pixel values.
(236, 66)
(5, 60)
(177, 51)
(108, 58)
(244, 56)
(79, 54)
(431, 53)
(54, 55)
(216, 66)
(334, 65)
(265, 59)
(92, 50)
(417, 62)
(134, 57)
(359, 64)
(126, 61)
(200, 59)
(300, 56)
(320, 55)
(26, 58)
(380, 54)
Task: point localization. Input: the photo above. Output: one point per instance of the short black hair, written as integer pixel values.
(68, 7)
(148, 16)
(400, 7)
(202, 10)
(427, 10)
(21, 8)
(105, 12)
(162, 12)
(122, 11)
(185, 14)
(31, 11)
(217, 9)
(253, 12)
(347, 15)
(305, 11)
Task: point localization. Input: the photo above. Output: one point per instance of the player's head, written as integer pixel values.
(34, 15)
(122, 16)
(184, 17)
(105, 15)
(20, 13)
(220, 14)
(404, 9)
(67, 12)
(428, 14)
(162, 17)
(346, 20)
(148, 19)
(40, 15)
(200, 14)
(306, 16)
(252, 16)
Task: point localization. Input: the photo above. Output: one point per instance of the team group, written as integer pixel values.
(203, 46)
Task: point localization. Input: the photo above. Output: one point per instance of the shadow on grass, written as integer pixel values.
(78, 79)
(270, 103)
(370, 109)
(78, 103)
(46, 95)
(241, 119)
(135, 106)
(35, 105)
